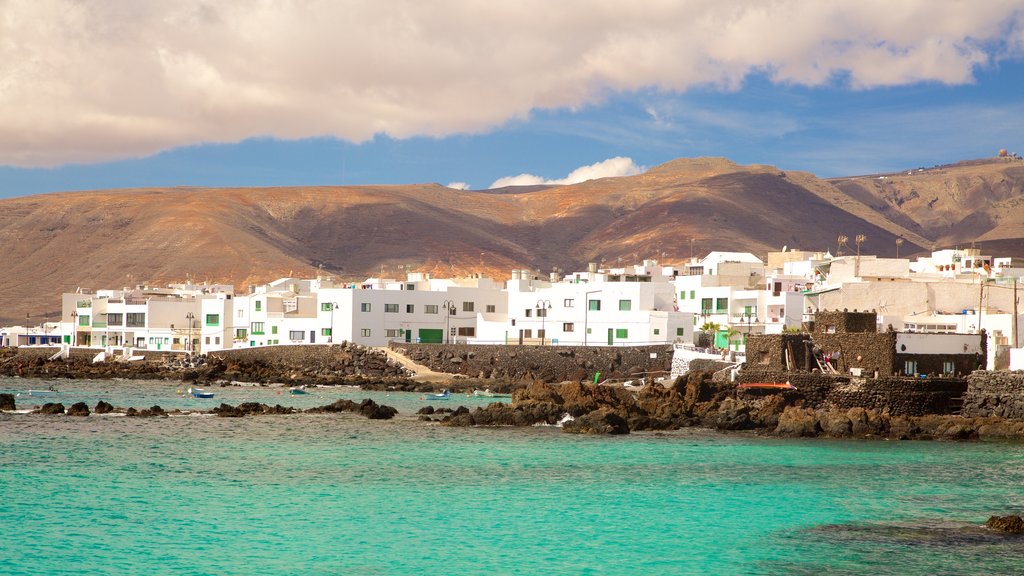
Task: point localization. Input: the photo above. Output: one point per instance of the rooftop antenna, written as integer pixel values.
(899, 242)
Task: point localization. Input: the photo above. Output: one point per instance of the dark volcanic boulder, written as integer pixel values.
(103, 408)
(7, 402)
(78, 409)
(375, 411)
(1009, 524)
(732, 415)
(798, 422)
(597, 422)
(51, 408)
(367, 408)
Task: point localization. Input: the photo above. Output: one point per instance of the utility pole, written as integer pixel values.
(981, 296)
(1016, 330)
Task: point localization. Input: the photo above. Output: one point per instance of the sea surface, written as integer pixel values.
(340, 494)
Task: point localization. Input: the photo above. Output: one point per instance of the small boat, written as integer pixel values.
(199, 393)
(50, 392)
(488, 394)
(766, 386)
(297, 389)
(443, 395)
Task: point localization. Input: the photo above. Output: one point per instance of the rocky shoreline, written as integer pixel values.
(367, 408)
(699, 401)
(992, 407)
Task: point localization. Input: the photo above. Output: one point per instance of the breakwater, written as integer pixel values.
(544, 363)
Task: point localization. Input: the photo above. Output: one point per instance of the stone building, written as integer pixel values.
(849, 343)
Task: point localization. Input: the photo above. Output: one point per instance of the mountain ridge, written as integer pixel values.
(111, 238)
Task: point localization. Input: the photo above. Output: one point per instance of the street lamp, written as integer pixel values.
(449, 309)
(330, 335)
(74, 327)
(189, 347)
(542, 310)
(748, 315)
(586, 311)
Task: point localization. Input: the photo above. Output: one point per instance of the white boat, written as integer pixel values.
(488, 394)
(199, 393)
(297, 389)
(443, 395)
(51, 391)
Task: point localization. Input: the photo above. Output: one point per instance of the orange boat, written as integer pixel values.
(766, 386)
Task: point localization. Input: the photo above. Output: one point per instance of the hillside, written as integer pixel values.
(59, 242)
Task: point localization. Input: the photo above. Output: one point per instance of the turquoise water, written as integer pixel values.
(339, 494)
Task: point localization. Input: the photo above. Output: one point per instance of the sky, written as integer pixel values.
(110, 94)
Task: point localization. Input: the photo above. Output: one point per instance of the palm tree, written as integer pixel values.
(731, 335)
(710, 329)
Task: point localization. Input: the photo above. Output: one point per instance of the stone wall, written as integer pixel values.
(995, 394)
(896, 396)
(338, 360)
(869, 351)
(845, 322)
(547, 363)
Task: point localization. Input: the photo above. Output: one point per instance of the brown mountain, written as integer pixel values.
(59, 242)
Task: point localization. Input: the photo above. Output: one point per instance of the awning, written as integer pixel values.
(822, 291)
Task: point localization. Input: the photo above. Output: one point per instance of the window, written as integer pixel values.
(542, 312)
(594, 305)
(326, 307)
(748, 311)
(115, 319)
(948, 367)
(830, 328)
(240, 334)
(391, 308)
(364, 332)
(568, 327)
(136, 319)
(259, 305)
(451, 311)
(241, 313)
(621, 333)
(682, 295)
(567, 303)
(910, 368)
(529, 312)
(657, 331)
(692, 294)
(392, 333)
(207, 340)
(410, 286)
(467, 306)
(527, 333)
(325, 331)
(430, 309)
(410, 308)
(212, 320)
(273, 329)
(256, 328)
(491, 308)
(705, 305)
(217, 339)
(541, 333)
(296, 334)
(467, 331)
(721, 304)
(364, 307)
(513, 321)
(452, 331)
(680, 331)
(625, 305)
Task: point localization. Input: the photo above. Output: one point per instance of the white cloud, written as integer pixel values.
(618, 166)
(458, 185)
(92, 81)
